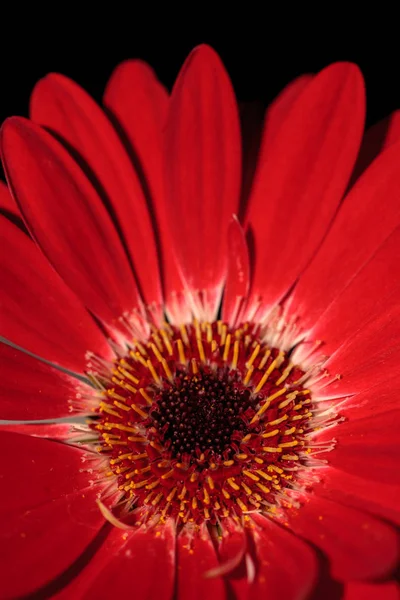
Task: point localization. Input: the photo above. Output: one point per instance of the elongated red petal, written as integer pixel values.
(60, 466)
(259, 128)
(238, 277)
(6, 200)
(203, 166)
(361, 491)
(278, 112)
(368, 447)
(301, 179)
(67, 218)
(378, 399)
(287, 567)
(367, 360)
(39, 312)
(365, 220)
(372, 591)
(141, 567)
(139, 103)
(50, 431)
(61, 105)
(196, 556)
(358, 546)
(43, 542)
(31, 389)
(377, 138)
(373, 291)
(48, 515)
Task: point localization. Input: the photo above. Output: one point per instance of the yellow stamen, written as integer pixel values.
(270, 433)
(146, 396)
(222, 333)
(195, 368)
(246, 488)
(264, 475)
(289, 444)
(267, 403)
(233, 484)
(251, 475)
(157, 353)
(107, 409)
(227, 347)
(264, 359)
(126, 374)
(235, 355)
(153, 485)
(167, 475)
(184, 335)
(263, 488)
(167, 370)
(181, 352)
(139, 411)
(253, 356)
(241, 504)
(121, 405)
(167, 342)
(248, 375)
(152, 370)
(201, 350)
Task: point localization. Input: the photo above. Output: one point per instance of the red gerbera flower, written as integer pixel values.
(227, 346)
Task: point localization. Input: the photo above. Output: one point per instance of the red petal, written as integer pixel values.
(39, 461)
(67, 218)
(302, 178)
(357, 545)
(360, 227)
(287, 567)
(278, 112)
(367, 360)
(6, 200)
(259, 129)
(143, 567)
(139, 103)
(369, 403)
(31, 389)
(61, 105)
(233, 555)
(196, 556)
(368, 447)
(373, 291)
(47, 518)
(252, 116)
(203, 171)
(376, 140)
(43, 542)
(54, 324)
(372, 591)
(360, 491)
(238, 277)
(51, 431)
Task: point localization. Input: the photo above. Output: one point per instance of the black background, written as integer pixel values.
(260, 62)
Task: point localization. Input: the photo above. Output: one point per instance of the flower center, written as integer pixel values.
(202, 412)
(204, 422)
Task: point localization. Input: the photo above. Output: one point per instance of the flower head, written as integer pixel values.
(217, 317)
